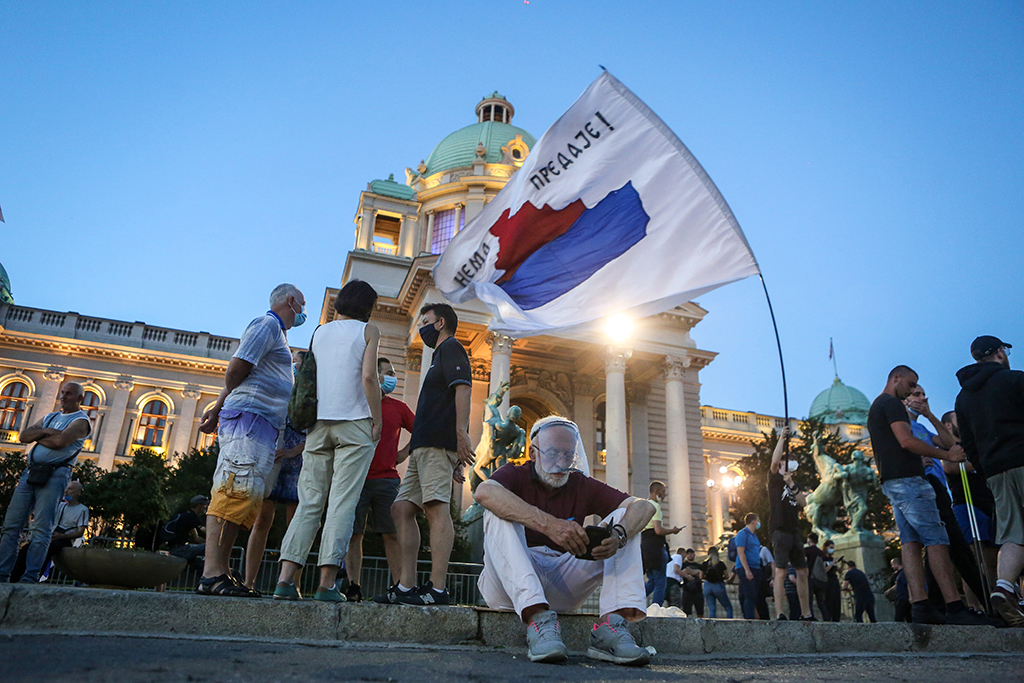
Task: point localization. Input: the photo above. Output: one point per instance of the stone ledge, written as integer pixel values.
(67, 609)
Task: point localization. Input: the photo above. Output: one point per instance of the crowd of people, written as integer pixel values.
(954, 487)
(957, 493)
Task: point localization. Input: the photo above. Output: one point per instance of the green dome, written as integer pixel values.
(459, 148)
(841, 404)
(5, 287)
(389, 188)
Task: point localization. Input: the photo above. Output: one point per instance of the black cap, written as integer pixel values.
(196, 500)
(986, 345)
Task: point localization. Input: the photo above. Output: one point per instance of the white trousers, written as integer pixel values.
(516, 577)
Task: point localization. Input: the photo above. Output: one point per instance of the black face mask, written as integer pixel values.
(429, 335)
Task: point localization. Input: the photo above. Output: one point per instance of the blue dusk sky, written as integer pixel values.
(171, 162)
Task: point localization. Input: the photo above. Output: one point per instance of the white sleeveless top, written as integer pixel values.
(338, 347)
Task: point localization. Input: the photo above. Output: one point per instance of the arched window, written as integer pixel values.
(206, 440)
(599, 432)
(445, 229)
(91, 406)
(13, 403)
(152, 423)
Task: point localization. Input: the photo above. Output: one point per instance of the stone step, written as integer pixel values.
(59, 609)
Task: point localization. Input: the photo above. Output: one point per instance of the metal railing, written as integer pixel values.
(375, 578)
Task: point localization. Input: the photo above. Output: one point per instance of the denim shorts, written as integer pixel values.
(917, 515)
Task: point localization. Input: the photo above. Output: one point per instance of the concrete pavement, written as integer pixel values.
(59, 609)
(119, 659)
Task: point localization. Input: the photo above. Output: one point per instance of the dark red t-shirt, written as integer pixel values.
(396, 417)
(580, 497)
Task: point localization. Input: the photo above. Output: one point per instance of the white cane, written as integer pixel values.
(978, 551)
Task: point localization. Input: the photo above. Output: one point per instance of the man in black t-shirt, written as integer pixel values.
(184, 528)
(900, 470)
(437, 451)
(785, 500)
(690, 576)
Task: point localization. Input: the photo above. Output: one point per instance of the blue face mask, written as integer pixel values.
(300, 317)
(758, 525)
(389, 384)
(68, 499)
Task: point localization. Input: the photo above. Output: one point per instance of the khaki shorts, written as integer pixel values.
(429, 477)
(1008, 490)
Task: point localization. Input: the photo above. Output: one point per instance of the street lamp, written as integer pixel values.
(618, 327)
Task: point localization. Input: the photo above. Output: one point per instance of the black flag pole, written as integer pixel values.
(782, 363)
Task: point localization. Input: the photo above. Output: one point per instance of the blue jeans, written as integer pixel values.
(42, 502)
(749, 591)
(716, 591)
(655, 586)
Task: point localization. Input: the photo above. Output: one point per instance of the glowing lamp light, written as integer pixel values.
(727, 482)
(711, 482)
(737, 481)
(618, 327)
(723, 469)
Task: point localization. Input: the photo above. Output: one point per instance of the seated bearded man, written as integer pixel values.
(533, 537)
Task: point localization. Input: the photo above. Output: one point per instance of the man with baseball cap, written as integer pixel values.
(990, 412)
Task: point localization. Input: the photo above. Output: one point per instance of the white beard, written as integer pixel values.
(551, 480)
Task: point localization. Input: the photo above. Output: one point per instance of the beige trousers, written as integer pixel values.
(335, 462)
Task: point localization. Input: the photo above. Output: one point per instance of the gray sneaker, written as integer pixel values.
(611, 642)
(544, 640)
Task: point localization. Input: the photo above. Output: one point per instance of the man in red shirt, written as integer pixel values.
(534, 539)
(382, 482)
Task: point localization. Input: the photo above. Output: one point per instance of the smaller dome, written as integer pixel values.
(5, 287)
(841, 404)
(390, 188)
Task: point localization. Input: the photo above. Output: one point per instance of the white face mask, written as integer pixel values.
(792, 465)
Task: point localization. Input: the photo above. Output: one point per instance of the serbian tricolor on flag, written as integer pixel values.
(610, 213)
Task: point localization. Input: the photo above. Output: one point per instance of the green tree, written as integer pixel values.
(752, 493)
(191, 475)
(131, 495)
(12, 465)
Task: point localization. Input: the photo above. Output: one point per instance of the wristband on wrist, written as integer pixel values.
(621, 531)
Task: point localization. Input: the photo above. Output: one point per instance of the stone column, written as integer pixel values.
(407, 237)
(428, 242)
(639, 438)
(186, 418)
(458, 218)
(677, 446)
(50, 389)
(428, 357)
(616, 470)
(411, 386)
(364, 238)
(501, 364)
(584, 388)
(715, 498)
(112, 430)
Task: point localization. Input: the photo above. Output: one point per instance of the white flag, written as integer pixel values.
(610, 213)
